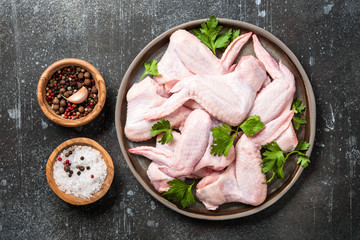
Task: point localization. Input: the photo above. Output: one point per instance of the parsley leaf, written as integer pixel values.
(235, 34)
(162, 126)
(180, 192)
(273, 161)
(151, 69)
(303, 160)
(302, 146)
(275, 158)
(297, 106)
(298, 121)
(272, 147)
(223, 40)
(252, 125)
(209, 35)
(298, 109)
(223, 140)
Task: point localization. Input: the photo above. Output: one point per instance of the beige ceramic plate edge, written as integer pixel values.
(310, 114)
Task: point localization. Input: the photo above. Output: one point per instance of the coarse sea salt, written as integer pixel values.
(89, 181)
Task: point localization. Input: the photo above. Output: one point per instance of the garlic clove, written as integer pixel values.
(78, 97)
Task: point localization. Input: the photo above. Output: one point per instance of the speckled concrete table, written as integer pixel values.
(324, 35)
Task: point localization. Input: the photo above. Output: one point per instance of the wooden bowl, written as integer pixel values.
(46, 108)
(69, 198)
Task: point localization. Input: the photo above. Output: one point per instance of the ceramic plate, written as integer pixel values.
(139, 164)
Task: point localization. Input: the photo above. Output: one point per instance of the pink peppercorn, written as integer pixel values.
(92, 176)
(59, 158)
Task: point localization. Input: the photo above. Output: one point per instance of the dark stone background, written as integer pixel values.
(323, 204)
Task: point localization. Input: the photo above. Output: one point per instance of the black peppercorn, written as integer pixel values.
(87, 82)
(87, 75)
(94, 90)
(62, 103)
(64, 83)
(55, 107)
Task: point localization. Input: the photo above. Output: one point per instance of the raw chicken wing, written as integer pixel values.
(228, 98)
(243, 180)
(142, 97)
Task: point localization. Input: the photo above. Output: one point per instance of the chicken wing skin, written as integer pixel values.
(228, 97)
(186, 56)
(276, 96)
(243, 180)
(142, 97)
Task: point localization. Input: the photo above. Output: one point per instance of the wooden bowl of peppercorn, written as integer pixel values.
(71, 92)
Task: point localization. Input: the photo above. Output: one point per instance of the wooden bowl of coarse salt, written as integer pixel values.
(80, 171)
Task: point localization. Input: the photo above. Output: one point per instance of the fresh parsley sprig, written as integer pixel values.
(151, 68)
(252, 126)
(209, 35)
(275, 158)
(298, 110)
(222, 134)
(162, 126)
(222, 139)
(180, 192)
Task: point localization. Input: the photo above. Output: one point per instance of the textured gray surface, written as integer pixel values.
(323, 204)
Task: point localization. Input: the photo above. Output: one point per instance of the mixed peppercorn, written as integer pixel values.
(66, 82)
(67, 165)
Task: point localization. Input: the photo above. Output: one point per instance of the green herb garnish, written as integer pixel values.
(162, 126)
(222, 140)
(151, 68)
(209, 35)
(275, 158)
(252, 126)
(180, 192)
(298, 110)
(222, 134)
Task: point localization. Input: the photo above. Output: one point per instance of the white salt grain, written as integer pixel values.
(82, 185)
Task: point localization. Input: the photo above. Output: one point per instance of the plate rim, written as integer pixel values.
(257, 30)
